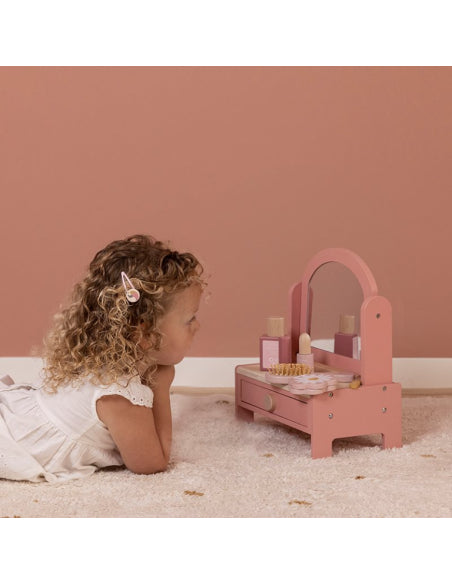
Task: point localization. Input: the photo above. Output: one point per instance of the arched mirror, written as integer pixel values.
(334, 302)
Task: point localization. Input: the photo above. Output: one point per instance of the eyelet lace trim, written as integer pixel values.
(136, 393)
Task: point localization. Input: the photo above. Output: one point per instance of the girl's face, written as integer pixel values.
(178, 327)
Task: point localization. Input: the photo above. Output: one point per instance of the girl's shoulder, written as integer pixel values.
(132, 389)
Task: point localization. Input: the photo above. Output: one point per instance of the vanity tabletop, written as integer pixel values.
(253, 370)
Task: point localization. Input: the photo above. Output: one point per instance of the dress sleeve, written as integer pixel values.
(135, 392)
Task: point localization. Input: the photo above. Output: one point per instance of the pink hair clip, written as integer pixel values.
(132, 293)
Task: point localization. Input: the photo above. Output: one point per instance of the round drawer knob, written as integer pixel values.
(269, 403)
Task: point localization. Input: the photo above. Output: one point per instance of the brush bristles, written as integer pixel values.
(289, 369)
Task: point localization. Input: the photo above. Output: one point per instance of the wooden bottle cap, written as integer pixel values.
(347, 324)
(275, 326)
(304, 344)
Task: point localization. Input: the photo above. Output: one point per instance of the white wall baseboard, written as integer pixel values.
(416, 375)
(423, 373)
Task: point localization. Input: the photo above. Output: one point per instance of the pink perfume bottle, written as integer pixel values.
(275, 345)
(346, 340)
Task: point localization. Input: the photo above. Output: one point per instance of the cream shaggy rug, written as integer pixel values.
(223, 468)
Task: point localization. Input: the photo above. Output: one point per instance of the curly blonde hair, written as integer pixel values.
(98, 334)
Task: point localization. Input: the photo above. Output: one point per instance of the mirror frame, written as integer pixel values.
(375, 319)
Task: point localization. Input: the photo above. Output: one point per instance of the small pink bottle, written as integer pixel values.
(346, 340)
(304, 354)
(275, 345)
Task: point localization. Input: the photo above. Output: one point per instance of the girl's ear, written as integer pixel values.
(143, 327)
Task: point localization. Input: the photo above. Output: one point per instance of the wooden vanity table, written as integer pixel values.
(373, 408)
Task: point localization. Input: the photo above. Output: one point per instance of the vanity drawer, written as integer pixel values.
(280, 405)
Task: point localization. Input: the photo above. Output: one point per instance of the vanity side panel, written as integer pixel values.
(358, 412)
(376, 341)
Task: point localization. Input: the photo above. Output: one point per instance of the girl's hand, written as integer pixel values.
(163, 378)
(159, 379)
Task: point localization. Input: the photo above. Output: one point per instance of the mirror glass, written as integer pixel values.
(334, 300)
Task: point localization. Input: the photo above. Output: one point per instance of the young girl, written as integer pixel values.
(109, 363)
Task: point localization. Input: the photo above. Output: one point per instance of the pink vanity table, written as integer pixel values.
(373, 408)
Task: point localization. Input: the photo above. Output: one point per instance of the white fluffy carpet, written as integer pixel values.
(222, 467)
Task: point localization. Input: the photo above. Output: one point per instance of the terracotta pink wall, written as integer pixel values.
(253, 169)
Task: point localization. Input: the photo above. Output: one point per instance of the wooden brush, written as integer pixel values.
(289, 369)
(280, 373)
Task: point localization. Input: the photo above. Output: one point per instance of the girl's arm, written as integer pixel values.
(142, 435)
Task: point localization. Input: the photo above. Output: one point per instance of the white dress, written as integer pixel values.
(58, 436)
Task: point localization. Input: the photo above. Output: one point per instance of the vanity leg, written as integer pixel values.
(392, 439)
(244, 414)
(321, 447)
